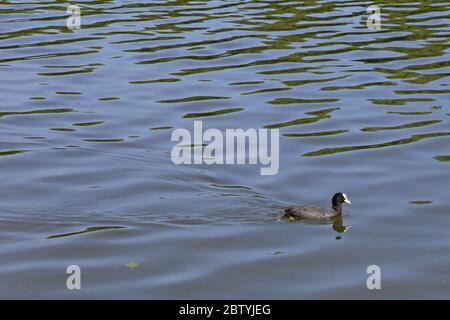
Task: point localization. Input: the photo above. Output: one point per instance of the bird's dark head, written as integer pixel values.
(340, 198)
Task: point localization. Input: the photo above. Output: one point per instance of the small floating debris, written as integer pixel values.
(132, 265)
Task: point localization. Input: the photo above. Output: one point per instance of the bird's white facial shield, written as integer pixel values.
(346, 200)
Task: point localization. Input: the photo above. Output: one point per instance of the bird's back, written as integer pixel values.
(310, 212)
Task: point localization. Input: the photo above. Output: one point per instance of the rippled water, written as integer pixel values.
(85, 123)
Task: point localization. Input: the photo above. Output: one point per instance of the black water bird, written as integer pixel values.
(313, 212)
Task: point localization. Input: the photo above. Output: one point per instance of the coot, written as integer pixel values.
(311, 212)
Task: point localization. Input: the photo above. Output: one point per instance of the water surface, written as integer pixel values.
(85, 123)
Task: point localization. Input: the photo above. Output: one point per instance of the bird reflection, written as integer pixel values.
(337, 223)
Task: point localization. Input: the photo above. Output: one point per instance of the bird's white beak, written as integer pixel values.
(346, 200)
